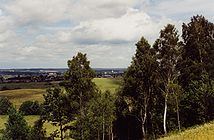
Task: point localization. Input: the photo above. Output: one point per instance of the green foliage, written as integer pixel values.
(5, 104)
(198, 102)
(16, 126)
(30, 108)
(198, 50)
(56, 108)
(100, 115)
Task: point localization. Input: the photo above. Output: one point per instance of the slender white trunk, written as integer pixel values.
(143, 118)
(111, 132)
(165, 112)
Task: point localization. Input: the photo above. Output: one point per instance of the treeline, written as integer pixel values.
(167, 87)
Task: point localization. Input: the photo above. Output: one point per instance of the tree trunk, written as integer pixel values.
(165, 112)
(143, 118)
(178, 115)
(112, 134)
(103, 127)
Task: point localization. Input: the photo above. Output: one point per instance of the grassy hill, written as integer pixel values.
(203, 132)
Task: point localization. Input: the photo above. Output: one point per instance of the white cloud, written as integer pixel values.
(119, 30)
(45, 11)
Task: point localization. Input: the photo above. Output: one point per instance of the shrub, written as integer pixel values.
(5, 104)
(30, 108)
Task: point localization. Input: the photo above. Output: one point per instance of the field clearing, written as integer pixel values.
(17, 97)
(107, 84)
(203, 132)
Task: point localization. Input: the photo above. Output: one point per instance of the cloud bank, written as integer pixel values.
(46, 33)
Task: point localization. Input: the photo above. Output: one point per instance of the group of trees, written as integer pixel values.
(167, 87)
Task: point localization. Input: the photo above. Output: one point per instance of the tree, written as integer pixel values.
(56, 108)
(168, 47)
(30, 108)
(5, 104)
(79, 87)
(198, 50)
(16, 126)
(140, 83)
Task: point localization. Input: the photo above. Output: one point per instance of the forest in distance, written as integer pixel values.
(169, 86)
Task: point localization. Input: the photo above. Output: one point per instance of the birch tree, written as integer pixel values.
(167, 46)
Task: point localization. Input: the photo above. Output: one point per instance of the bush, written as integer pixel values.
(5, 104)
(30, 108)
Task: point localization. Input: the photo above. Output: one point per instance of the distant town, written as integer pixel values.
(49, 75)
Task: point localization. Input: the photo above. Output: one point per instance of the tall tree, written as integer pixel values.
(168, 47)
(79, 86)
(198, 50)
(139, 84)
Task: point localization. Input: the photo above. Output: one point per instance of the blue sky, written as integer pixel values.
(46, 33)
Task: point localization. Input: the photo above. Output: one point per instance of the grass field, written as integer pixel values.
(18, 96)
(203, 132)
(107, 84)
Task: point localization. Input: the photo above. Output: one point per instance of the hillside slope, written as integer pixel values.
(203, 132)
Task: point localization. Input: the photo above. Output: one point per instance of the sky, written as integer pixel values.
(46, 33)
